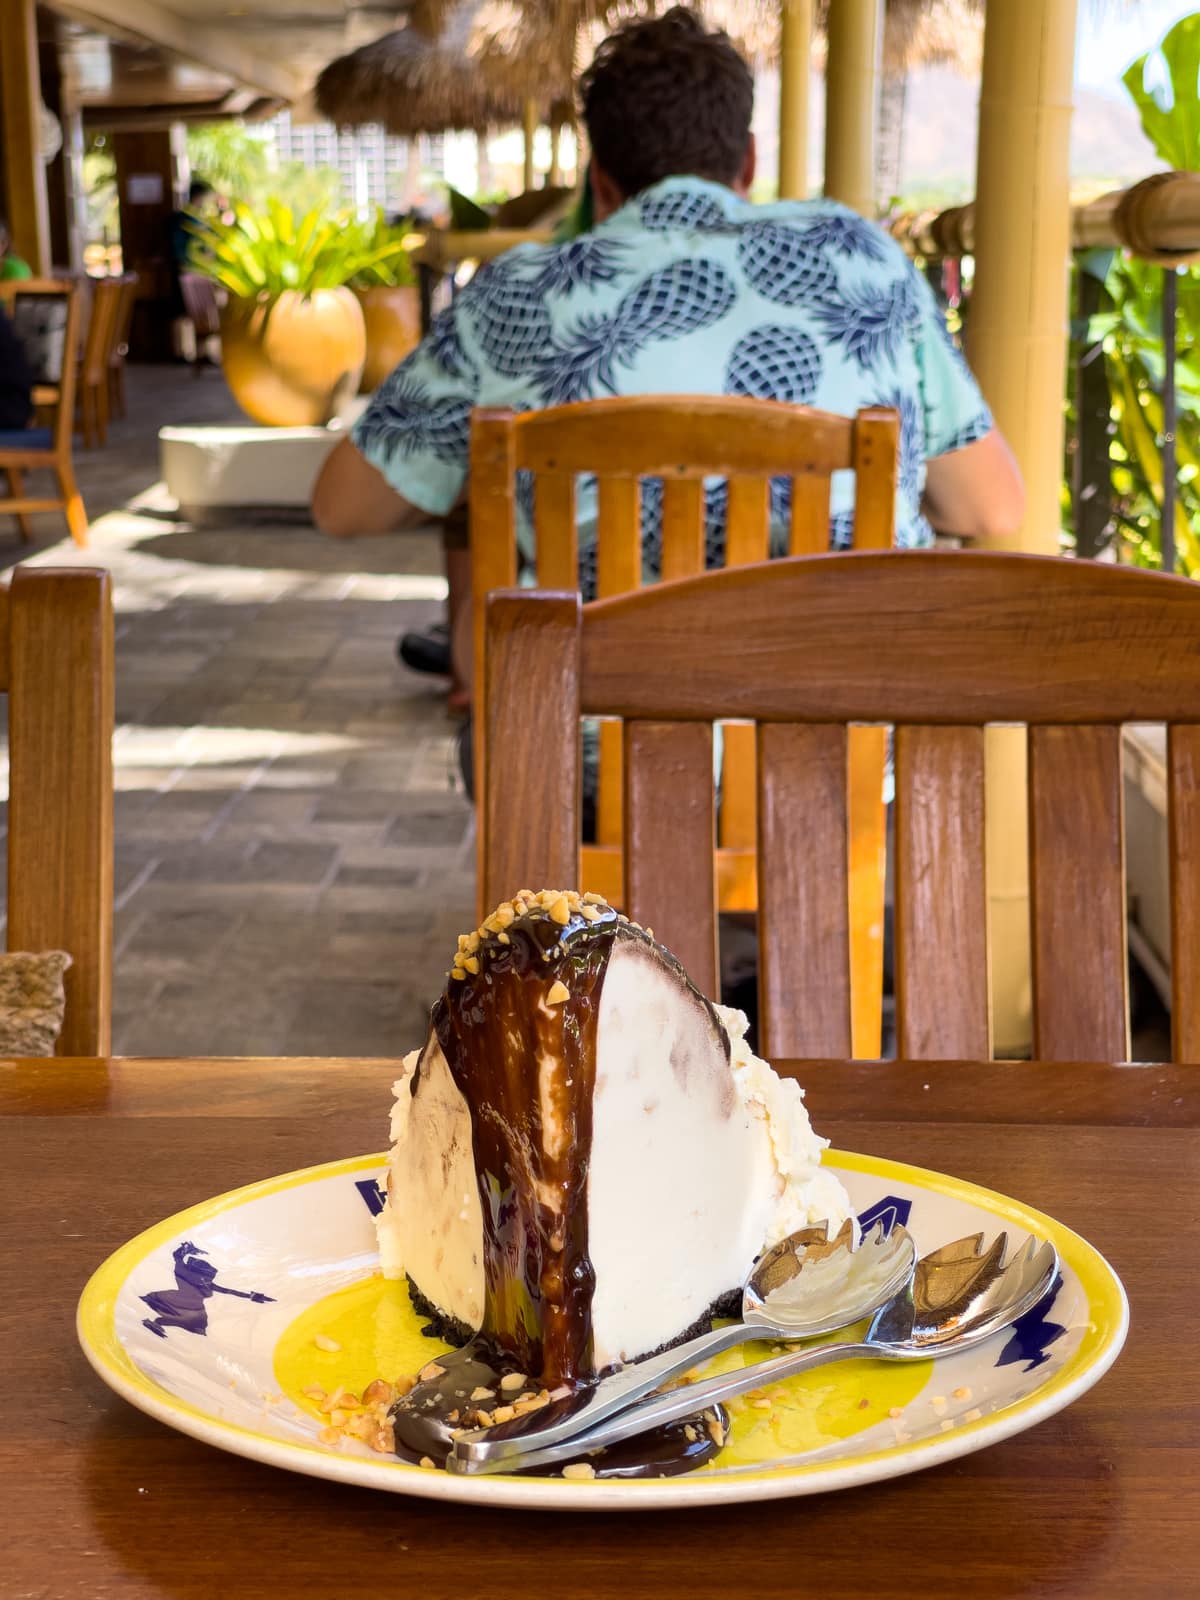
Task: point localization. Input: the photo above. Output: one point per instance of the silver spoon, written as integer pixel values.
(959, 1295)
(806, 1285)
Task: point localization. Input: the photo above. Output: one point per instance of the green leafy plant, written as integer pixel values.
(1131, 329)
(390, 265)
(259, 255)
(1163, 85)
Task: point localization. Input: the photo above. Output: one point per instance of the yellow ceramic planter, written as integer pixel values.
(393, 319)
(295, 361)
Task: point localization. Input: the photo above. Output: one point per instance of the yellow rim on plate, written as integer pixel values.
(1099, 1346)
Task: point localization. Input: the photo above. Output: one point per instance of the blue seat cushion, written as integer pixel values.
(26, 439)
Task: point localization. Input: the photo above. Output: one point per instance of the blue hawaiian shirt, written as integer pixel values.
(688, 289)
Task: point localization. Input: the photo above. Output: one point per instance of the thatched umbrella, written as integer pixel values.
(463, 75)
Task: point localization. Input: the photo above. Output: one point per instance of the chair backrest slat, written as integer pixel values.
(668, 841)
(682, 527)
(809, 534)
(875, 479)
(554, 526)
(1183, 812)
(101, 329)
(59, 679)
(1077, 893)
(747, 521)
(804, 935)
(618, 570)
(531, 803)
(941, 896)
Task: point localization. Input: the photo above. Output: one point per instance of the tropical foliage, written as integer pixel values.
(261, 254)
(1162, 84)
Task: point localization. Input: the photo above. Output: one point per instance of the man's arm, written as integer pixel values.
(352, 497)
(976, 492)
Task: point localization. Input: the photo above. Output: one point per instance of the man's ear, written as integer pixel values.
(606, 193)
(749, 166)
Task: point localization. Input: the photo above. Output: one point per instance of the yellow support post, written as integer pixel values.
(530, 123)
(795, 49)
(1017, 344)
(852, 74)
(24, 174)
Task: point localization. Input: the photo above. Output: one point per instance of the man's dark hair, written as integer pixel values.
(198, 189)
(665, 99)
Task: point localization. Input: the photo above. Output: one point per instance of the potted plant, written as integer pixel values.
(386, 287)
(293, 338)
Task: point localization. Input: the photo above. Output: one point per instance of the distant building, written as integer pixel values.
(376, 169)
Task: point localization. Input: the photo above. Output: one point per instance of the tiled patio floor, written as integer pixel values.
(293, 855)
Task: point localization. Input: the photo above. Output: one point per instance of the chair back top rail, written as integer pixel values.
(679, 436)
(857, 637)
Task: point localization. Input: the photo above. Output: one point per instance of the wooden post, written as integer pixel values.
(795, 46)
(20, 98)
(554, 176)
(1017, 343)
(852, 73)
(530, 122)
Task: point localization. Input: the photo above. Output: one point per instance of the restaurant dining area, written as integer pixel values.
(600, 671)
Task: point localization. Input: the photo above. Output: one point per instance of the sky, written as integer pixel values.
(1113, 34)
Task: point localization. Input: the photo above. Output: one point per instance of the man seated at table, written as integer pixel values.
(682, 287)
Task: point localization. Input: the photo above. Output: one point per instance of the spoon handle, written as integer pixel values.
(494, 1455)
(499, 1446)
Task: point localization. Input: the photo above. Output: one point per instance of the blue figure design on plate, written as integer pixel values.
(893, 1210)
(195, 1283)
(774, 363)
(867, 321)
(668, 304)
(782, 267)
(372, 1194)
(1034, 1333)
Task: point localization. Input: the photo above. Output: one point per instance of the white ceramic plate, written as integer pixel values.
(207, 1321)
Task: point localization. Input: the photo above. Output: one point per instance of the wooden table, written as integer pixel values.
(98, 1500)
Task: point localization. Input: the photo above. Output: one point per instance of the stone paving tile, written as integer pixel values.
(293, 857)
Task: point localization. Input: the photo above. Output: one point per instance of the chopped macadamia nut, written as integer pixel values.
(324, 1342)
(513, 1380)
(558, 993)
(579, 1469)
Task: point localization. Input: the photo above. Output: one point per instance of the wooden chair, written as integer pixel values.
(46, 315)
(98, 345)
(204, 314)
(56, 666)
(120, 344)
(1071, 648)
(683, 440)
